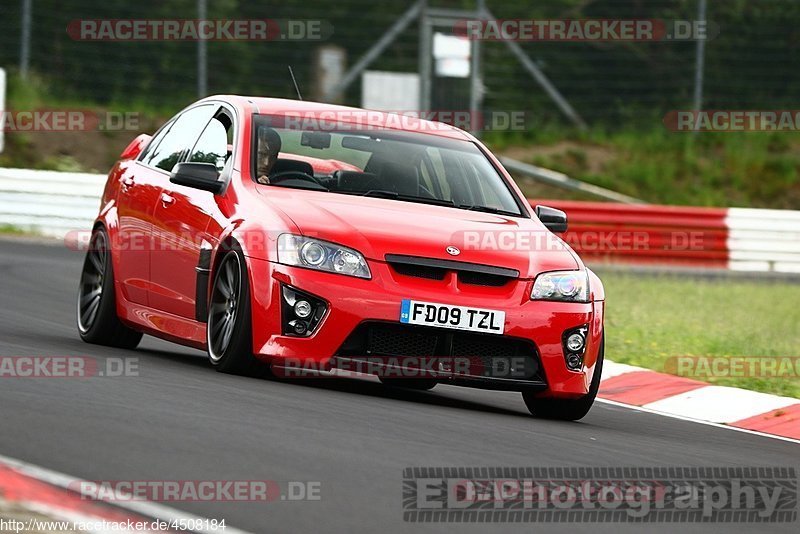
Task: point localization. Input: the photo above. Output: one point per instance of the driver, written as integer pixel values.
(269, 144)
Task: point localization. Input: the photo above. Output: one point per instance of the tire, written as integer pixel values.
(97, 319)
(419, 384)
(229, 327)
(567, 409)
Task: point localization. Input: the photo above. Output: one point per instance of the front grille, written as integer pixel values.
(394, 340)
(495, 355)
(435, 269)
(420, 271)
(469, 345)
(480, 355)
(483, 279)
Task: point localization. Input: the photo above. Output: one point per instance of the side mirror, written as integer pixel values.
(135, 147)
(203, 176)
(553, 219)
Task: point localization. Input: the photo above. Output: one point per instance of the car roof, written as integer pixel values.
(311, 111)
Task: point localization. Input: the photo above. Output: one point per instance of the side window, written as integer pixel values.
(180, 138)
(212, 147)
(145, 156)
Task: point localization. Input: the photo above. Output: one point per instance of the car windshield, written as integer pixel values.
(385, 163)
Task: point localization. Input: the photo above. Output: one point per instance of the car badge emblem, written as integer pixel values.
(453, 251)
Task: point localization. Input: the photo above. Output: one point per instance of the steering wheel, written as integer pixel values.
(287, 175)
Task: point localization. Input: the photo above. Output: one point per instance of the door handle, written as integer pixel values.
(127, 182)
(167, 200)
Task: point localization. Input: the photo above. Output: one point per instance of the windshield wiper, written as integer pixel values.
(381, 193)
(487, 209)
(308, 186)
(394, 195)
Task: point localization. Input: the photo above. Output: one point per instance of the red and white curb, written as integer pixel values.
(47, 495)
(699, 401)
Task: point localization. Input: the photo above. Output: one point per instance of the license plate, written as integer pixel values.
(454, 317)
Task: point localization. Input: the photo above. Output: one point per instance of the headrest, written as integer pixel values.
(400, 178)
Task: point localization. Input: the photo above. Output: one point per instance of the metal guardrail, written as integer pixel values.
(49, 202)
(646, 234)
(559, 179)
(763, 240)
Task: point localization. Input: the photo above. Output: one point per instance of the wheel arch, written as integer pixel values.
(107, 221)
(210, 267)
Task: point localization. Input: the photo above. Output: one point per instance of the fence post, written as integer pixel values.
(202, 54)
(700, 61)
(425, 58)
(25, 39)
(476, 79)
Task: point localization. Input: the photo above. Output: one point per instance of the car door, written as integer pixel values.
(181, 218)
(139, 189)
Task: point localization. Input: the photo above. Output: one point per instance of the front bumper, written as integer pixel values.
(353, 302)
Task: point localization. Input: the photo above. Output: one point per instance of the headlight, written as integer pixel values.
(320, 255)
(571, 286)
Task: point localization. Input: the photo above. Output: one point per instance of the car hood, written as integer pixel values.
(377, 227)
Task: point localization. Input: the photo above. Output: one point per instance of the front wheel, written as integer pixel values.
(97, 304)
(229, 327)
(567, 409)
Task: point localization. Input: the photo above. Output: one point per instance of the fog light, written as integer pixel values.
(302, 308)
(574, 361)
(575, 342)
(299, 327)
(301, 312)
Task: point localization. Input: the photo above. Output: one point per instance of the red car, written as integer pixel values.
(283, 235)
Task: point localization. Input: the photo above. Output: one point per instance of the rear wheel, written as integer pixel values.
(420, 384)
(229, 327)
(567, 409)
(97, 305)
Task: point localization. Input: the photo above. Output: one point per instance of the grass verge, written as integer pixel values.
(650, 319)
(10, 229)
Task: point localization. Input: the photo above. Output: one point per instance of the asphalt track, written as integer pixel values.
(180, 420)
